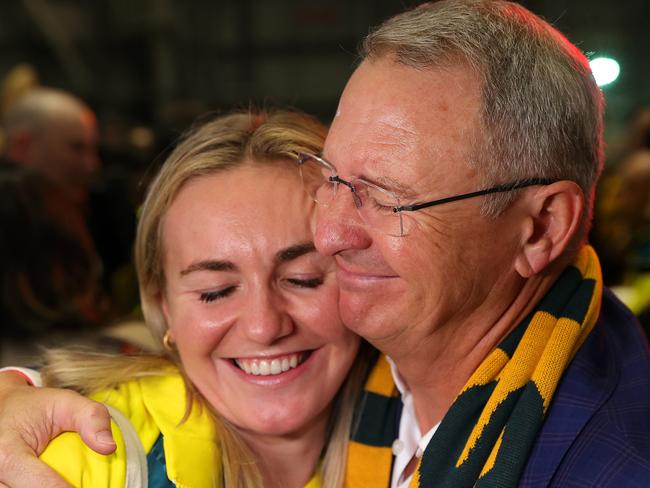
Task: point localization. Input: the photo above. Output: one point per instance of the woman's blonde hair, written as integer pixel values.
(210, 147)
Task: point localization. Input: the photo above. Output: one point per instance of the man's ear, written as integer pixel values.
(554, 217)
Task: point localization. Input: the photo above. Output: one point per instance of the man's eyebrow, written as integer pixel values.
(294, 252)
(389, 184)
(209, 265)
(384, 182)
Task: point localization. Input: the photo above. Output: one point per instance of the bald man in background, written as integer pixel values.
(55, 134)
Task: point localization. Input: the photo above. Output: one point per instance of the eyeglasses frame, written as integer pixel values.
(335, 178)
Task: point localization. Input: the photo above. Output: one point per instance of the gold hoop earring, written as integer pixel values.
(168, 342)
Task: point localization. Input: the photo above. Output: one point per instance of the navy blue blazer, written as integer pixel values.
(597, 429)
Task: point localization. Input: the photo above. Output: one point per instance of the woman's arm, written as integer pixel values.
(31, 417)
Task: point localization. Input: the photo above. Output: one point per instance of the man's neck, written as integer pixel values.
(436, 370)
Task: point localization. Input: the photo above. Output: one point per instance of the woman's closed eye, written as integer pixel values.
(306, 282)
(211, 296)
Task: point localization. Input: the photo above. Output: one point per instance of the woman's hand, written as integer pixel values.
(31, 417)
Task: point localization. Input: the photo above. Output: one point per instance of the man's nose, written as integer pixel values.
(338, 226)
(266, 319)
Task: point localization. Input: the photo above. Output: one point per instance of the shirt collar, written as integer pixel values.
(397, 379)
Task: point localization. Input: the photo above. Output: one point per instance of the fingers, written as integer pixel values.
(25, 432)
(95, 429)
(89, 418)
(20, 469)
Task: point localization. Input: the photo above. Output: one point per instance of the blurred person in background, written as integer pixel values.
(622, 233)
(55, 134)
(19, 80)
(47, 284)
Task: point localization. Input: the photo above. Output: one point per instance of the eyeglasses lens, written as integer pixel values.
(375, 206)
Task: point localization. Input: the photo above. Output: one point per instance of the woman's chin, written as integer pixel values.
(277, 423)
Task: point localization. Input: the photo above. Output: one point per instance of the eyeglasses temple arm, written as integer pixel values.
(464, 196)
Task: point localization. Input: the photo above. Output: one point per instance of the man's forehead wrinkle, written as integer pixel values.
(394, 131)
(395, 118)
(389, 132)
(367, 141)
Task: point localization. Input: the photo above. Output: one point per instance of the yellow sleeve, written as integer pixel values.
(84, 468)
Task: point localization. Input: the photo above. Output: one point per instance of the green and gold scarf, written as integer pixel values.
(486, 436)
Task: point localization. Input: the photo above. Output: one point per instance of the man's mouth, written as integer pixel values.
(363, 270)
(271, 366)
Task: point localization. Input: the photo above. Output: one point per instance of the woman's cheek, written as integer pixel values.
(200, 327)
(326, 313)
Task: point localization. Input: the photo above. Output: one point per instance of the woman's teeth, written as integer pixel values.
(266, 367)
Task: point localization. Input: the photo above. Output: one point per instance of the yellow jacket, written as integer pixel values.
(154, 405)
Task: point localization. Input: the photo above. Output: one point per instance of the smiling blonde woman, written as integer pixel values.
(253, 389)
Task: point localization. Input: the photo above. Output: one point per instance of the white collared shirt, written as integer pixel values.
(410, 441)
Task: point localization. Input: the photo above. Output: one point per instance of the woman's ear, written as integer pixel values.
(164, 307)
(168, 337)
(554, 217)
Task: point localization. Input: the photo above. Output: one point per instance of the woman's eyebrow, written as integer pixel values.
(293, 252)
(209, 265)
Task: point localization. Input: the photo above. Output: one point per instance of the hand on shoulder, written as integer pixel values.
(31, 417)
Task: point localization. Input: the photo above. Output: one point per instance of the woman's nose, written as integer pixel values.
(266, 319)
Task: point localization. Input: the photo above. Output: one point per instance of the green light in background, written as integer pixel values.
(605, 70)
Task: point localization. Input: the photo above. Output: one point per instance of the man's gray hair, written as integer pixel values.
(542, 113)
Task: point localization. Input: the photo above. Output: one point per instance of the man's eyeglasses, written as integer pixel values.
(378, 207)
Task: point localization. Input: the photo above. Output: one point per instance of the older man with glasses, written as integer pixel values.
(455, 192)
(506, 362)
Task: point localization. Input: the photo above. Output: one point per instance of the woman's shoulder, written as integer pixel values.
(147, 400)
(140, 401)
(156, 406)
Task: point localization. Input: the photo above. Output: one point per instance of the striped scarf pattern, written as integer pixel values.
(486, 436)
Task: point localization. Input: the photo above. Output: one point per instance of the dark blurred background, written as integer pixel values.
(158, 63)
